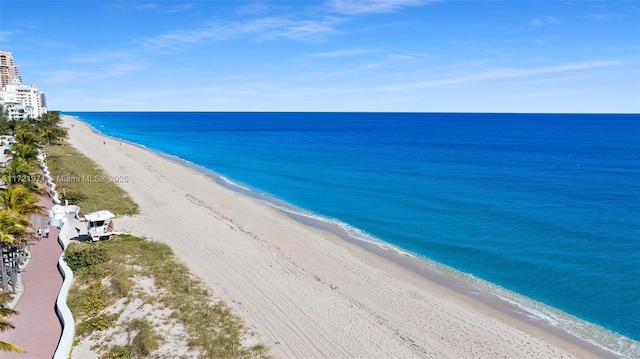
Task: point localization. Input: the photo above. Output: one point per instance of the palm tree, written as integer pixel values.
(13, 229)
(5, 121)
(19, 171)
(29, 153)
(59, 133)
(19, 199)
(25, 135)
(6, 325)
(49, 119)
(49, 136)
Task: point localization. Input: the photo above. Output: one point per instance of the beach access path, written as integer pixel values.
(305, 292)
(37, 327)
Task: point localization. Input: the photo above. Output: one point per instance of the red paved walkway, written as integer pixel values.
(38, 328)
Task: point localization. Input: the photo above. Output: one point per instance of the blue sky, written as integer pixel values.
(333, 55)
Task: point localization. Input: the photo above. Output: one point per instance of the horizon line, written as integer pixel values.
(371, 112)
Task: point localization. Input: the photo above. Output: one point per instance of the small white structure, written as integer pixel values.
(100, 225)
(58, 212)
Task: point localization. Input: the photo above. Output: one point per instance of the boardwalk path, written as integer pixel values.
(38, 328)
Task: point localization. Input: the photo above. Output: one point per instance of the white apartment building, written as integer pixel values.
(20, 100)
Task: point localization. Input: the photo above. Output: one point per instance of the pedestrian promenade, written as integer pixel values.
(37, 327)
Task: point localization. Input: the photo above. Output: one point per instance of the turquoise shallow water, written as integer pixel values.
(547, 206)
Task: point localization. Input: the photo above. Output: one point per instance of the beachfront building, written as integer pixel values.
(21, 101)
(9, 72)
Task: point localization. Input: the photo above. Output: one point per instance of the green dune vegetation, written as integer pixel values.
(131, 297)
(135, 299)
(75, 174)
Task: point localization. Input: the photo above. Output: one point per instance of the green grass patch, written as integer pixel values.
(75, 174)
(99, 322)
(80, 257)
(143, 342)
(212, 328)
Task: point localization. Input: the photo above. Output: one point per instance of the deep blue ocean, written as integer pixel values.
(545, 205)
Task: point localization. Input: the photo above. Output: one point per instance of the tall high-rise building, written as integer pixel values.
(19, 100)
(9, 72)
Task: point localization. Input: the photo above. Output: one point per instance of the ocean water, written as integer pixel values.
(546, 206)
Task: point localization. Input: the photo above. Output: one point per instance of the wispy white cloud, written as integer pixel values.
(545, 20)
(603, 17)
(178, 71)
(362, 68)
(310, 27)
(302, 30)
(27, 24)
(160, 6)
(64, 76)
(501, 74)
(357, 7)
(117, 69)
(263, 28)
(48, 43)
(160, 93)
(106, 64)
(176, 8)
(252, 8)
(6, 36)
(406, 57)
(115, 101)
(345, 52)
(97, 70)
(102, 57)
(145, 6)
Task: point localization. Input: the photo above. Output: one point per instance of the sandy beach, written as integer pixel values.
(306, 292)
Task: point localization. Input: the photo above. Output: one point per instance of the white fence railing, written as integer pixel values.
(62, 310)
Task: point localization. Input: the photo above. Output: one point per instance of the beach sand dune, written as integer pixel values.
(306, 293)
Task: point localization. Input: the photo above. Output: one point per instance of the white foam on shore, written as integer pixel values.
(616, 344)
(234, 184)
(542, 314)
(545, 316)
(538, 313)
